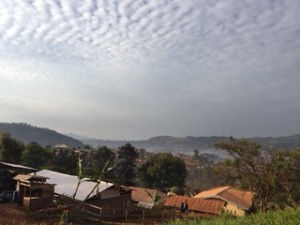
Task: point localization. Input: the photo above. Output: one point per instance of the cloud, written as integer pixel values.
(205, 62)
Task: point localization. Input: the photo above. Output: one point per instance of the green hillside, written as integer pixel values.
(44, 136)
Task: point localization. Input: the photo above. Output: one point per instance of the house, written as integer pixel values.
(34, 192)
(7, 183)
(105, 196)
(195, 206)
(238, 202)
(147, 198)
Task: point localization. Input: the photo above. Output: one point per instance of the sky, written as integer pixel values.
(135, 69)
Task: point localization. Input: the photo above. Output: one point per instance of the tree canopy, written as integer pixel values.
(35, 156)
(164, 172)
(272, 176)
(125, 170)
(10, 149)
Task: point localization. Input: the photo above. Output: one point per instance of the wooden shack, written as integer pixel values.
(7, 183)
(34, 191)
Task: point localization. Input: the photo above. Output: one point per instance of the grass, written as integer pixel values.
(280, 217)
(288, 217)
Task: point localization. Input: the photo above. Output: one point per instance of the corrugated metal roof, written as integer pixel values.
(66, 184)
(196, 204)
(27, 177)
(140, 194)
(146, 197)
(211, 192)
(18, 166)
(243, 199)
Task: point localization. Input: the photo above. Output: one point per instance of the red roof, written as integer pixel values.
(195, 204)
(243, 199)
(146, 197)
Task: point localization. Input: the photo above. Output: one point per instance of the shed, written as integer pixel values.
(7, 183)
(101, 194)
(33, 191)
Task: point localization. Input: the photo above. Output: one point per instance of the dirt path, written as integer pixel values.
(11, 214)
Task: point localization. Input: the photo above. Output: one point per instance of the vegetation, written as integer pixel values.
(10, 149)
(35, 155)
(28, 133)
(94, 165)
(273, 176)
(290, 217)
(164, 172)
(125, 171)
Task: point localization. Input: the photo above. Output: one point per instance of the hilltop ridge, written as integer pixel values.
(43, 136)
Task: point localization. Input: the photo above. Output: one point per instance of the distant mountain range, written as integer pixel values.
(189, 144)
(44, 136)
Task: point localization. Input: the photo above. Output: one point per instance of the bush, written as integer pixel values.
(290, 217)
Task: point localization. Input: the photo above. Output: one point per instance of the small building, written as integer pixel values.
(34, 192)
(7, 183)
(107, 198)
(238, 202)
(194, 207)
(147, 198)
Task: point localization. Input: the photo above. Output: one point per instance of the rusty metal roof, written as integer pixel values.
(146, 197)
(243, 199)
(27, 177)
(212, 206)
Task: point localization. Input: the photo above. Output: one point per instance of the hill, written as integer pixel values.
(43, 136)
(189, 144)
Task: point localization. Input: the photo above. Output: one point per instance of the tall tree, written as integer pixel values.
(164, 172)
(64, 161)
(10, 149)
(125, 170)
(35, 156)
(270, 175)
(98, 161)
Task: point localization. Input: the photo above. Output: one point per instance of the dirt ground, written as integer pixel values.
(11, 214)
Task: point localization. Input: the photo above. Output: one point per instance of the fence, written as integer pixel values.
(132, 214)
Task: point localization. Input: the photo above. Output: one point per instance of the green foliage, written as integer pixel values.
(125, 171)
(163, 171)
(10, 149)
(64, 161)
(35, 156)
(272, 176)
(290, 217)
(27, 133)
(98, 161)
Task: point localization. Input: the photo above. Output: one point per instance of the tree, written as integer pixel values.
(163, 171)
(35, 156)
(94, 165)
(269, 175)
(125, 170)
(101, 167)
(64, 161)
(10, 149)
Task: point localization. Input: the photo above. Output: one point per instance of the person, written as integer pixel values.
(66, 215)
(184, 206)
